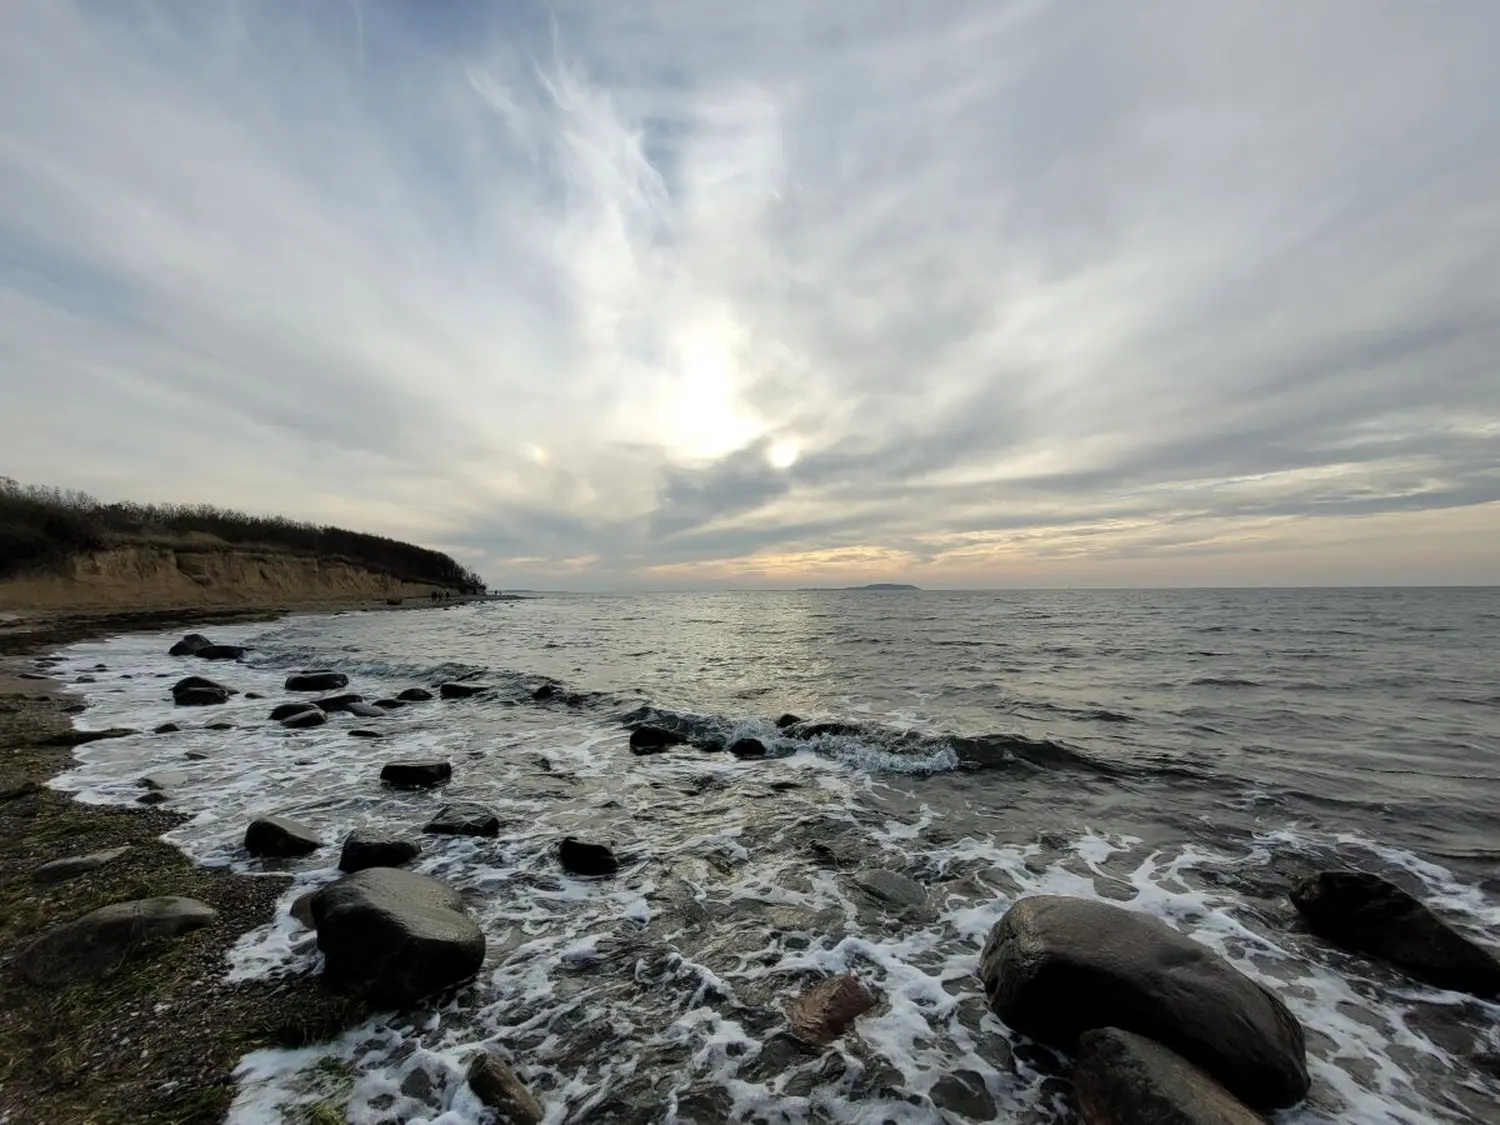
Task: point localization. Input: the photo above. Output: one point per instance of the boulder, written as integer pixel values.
(287, 710)
(316, 681)
(301, 908)
(586, 859)
(163, 779)
(389, 704)
(416, 774)
(219, 726)
(1056, 967)
(820, 1015)
(301, 720)
(337, 702)
(462, 691)
(546, 691)
(891, 889)
(167, 728)
(464, 819)
(363, 850)
(253, 695)
(1366, 914)
(748, 748)
(365, 711)
(277, 836)
(189, 645)
(787, 720)
(499, 1087)
(1124, 1079)
(653, 740)
(363, 733)
(60, 870)
(220, 652)
(414, 695)
(395, 937)
(196, 756)
(195, 691)
(89, 947)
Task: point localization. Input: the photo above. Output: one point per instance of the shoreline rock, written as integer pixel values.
(362, 851)
(465, 818)
(822, 1013)
(90, 946)
(280, 838)
(588, 860)
(316, 681)
(1120, 1078)
(423, 774)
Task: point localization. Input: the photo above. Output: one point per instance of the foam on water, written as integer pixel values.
(657, 995)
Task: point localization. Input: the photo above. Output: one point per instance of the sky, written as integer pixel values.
(699, 293)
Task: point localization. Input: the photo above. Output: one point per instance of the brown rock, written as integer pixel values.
(820, 1015)
(500, 1088)
(1125, 1079)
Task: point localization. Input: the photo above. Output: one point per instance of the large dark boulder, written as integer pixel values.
(1366, 914)
(1055, 967)
(462, 691)
(189, 645)
(464, 819)
(416, 774)
(91, 946)
(395, 937)
(195, 691)
(220, 652)
(414, 695)
(586, 859)
(363, 850)
(333, 703)
(1125, 1079)
(748, 748)
(316, 681)
(279, 837)
(301, 720)
(287, 710)
(653, 740)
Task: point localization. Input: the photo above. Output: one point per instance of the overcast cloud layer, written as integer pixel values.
(692, 292)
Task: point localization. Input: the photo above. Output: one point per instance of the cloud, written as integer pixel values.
(1036, 292)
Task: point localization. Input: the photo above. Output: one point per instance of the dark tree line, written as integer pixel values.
(41, 528)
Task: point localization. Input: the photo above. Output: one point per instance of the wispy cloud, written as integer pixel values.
(679, 292)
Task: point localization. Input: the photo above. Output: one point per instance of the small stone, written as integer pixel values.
(302, 908)
(891, 888)
(787, 720)
(462, 691)
(280, 837)
(337, 702)
(71, 867)
(963, 1092)
(414, 695)
(287, 710)
(154, 797)
(196, 756)
(316, 681)
(167, 728)
(361, 732)
(546, 691)
(219, 726)
(163, 779)
(362, 851)
(253, 695)
(465, 819)
(653, 740)
(586, 859)
(820, 1015)
(499, 1087)
(304, 719)
(195, 691)
(416, 775)
(389, 704)
(365, 711)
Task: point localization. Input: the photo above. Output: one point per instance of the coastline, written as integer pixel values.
(157, 1038)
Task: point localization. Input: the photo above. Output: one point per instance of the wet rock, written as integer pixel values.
(189, 645)
(364, 850)
(280, 837)
(963, 1092)
(389, 704)
(196, 756)
(167, 728)
(1366, 914)
(709, 745)
(219, 726)
(88, 947)
(1125, 1079)
(363, 733)
(820, 1015)
(253, 695)
(301, 720)
(414, 695)
(787, 720)
(220, 652)
(394, 936)
(163, 779)
(748, 748)
(60, 870)
(1056, 967)
(891, 889)
(464, 819)
(586, 859)
(499, 1087)
(462, 691)
(365, 711)
(333, 703)
(287, 710)
(546, 691)
(302, 908)
(195, 691)
(316, 681)
(86, 680)
(416, 774)
(825, 729)
(653, 740)
(152, 797)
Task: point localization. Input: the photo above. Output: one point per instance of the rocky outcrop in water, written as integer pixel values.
(316, 681)
(91, 946)
(653, 740)
(1125, 1079)
(395, 937)
(167, 728)
(220, 652)
(820, 1015)
(416, 774)
(891, 890)
(1054, 968)
(748, 748)
(1364, 913)
(464, 819)
(462, 691)
(787, 720)
(287, 710)
(592, 860)
(189, 645)
(301, 720)
(332, 703)
(500, 1088)
(279, 837)
(414, 695)
(365, 850)
(362, 710)
(195, 691)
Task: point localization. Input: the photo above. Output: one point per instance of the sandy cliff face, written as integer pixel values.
(143, 576)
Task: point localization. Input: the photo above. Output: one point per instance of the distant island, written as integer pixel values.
(884, 586)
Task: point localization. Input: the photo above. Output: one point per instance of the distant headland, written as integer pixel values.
(884, 586)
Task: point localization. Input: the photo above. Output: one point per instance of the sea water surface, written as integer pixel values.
(1183, 753)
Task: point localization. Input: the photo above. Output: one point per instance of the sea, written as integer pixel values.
(1184, 753)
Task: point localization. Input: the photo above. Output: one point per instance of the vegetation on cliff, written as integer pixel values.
(42, 528)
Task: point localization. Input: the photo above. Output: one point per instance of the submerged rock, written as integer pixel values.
(89, 947)
(163, 779)
(220, 652)
(546, 691)
(462, 691)
(820, 1015)
(586, 859)
(891, 888)
(414, 695)
(498, 1086)
(331, 703)
(362, 733)
(416, 774)
(1125, 1079)
(287, 710)
(219, 726)
(748, 748)
(653, 740)
(365, 711)
(389, 704)
(1366, 914)
(316, 681)
(189, 645)
(1056, 967)
(167, 728)
(464, 819)
(301, 720)
(787, 720)
(60, 870)
(195, 691)
(363, 850)
(280, 837)
(395, 937)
